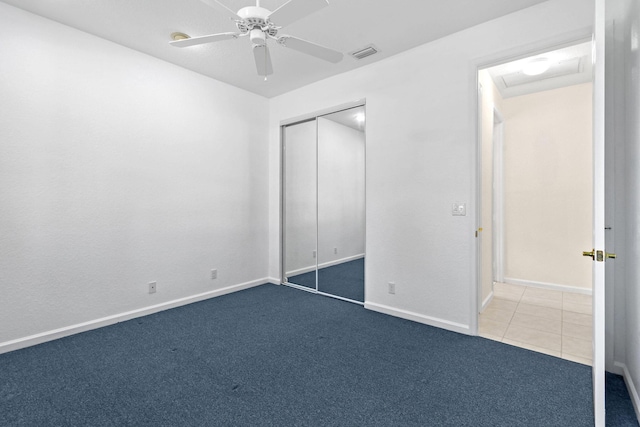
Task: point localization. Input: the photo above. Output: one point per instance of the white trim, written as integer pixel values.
(554, 286)
(601, 32)
(486, 301)
(274, 281)
(300, 271)
(323, 112)
(340, 298)
(340, 261)
(476, 254)
(631, 387)
(420, 318)
(300, 287)
(324, 265)
(54, 334)
(498, 195)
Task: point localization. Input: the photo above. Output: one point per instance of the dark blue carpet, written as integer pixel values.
(344, 280)
(275, 356)
(308, 280)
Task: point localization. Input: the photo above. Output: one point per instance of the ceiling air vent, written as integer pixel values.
(363, 53)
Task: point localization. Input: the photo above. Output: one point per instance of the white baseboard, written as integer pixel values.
(631, 387)
(324, 265)
(543, 285)
(301, 271)
(340, 261)
(273, 281)
(420, 318)
(42, 337)
(486, 301)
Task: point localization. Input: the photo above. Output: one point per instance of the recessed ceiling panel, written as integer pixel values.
(562, 68)
(567, 66)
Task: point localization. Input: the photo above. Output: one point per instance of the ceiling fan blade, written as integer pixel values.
(294, 10)
(222, 8)
(263, 60)
(311, 48)
(204, 39)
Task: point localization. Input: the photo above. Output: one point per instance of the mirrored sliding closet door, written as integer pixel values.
(324, 204)
(300, 204)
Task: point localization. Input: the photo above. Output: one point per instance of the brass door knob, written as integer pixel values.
(610, 256)
(591, 254)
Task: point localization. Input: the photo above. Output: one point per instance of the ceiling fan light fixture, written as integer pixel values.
(257, 37)
(536, 66)
(179, 36)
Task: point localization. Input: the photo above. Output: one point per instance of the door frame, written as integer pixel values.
(599, 174)
(498, 196)
(501, 57)
(570, 38)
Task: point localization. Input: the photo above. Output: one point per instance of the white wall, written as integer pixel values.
(548, 188)
(421, 159)
(117, 169)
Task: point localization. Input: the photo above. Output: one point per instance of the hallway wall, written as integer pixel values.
(548, 200)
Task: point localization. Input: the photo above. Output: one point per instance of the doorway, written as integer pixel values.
(536, 202)
(323, 206)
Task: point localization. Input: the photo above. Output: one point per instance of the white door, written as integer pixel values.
(599, 255)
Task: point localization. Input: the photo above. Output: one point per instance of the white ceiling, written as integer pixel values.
(345, 25)
(570, 65)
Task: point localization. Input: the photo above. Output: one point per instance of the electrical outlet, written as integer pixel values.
(392, 288)
(335, 250)
(152, 287)
(314, 254)
(214, 274)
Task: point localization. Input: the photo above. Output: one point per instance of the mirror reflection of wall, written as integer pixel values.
(341, 204)
(331, 183)
(300, 203)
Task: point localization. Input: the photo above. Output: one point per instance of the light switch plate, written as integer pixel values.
(459, 209)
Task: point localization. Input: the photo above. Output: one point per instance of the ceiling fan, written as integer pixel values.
(261, 24)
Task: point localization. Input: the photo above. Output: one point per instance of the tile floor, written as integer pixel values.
(542, 320)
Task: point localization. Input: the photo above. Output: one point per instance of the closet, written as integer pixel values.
(323, 206)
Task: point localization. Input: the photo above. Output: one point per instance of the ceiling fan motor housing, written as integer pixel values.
(255, 21)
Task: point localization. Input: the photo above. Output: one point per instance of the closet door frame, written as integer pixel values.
(283, 254)
(283, 204)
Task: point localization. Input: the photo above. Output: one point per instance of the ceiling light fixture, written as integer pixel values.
(179, 36)
(536, 66)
